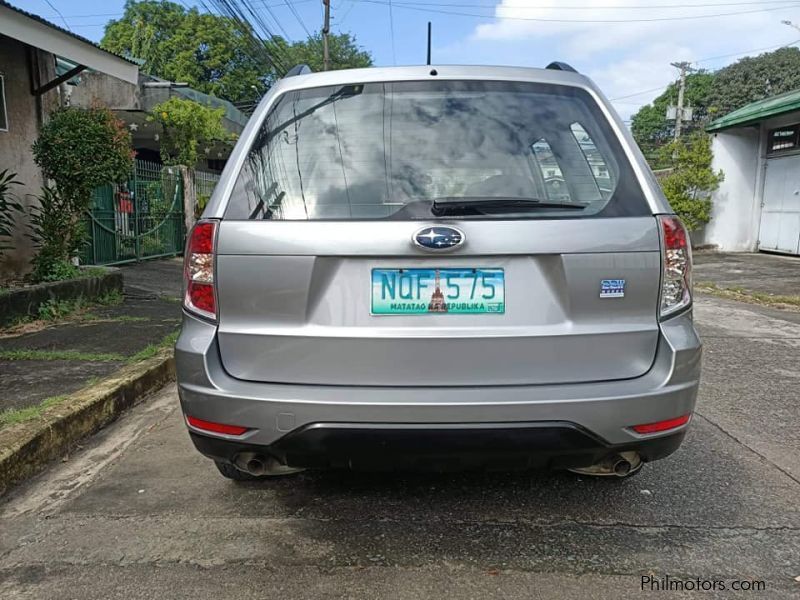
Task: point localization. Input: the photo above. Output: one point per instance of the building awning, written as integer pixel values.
(758, 111)
(39, 33)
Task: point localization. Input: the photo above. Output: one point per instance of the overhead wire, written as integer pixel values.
(596, 21)
(391, 29)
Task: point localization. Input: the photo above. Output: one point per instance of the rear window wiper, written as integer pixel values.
(449, 205)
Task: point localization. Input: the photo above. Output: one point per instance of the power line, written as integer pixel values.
(598, 21)
(297, 16)
(592, 7)
(746, 52)
(391, 28)
(58, 12)
(701, 60)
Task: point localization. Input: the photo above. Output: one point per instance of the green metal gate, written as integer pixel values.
(139, 219)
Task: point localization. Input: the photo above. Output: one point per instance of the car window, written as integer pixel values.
(595, 158)
(390, 150)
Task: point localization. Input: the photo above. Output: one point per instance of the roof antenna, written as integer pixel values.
(429, 42)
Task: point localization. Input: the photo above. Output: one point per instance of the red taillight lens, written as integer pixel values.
(661, 425)
(676, 275)
(216, 427)
(198, 270)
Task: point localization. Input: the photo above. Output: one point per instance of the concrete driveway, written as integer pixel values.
(137, 513)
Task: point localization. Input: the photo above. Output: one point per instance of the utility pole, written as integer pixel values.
(326, 29)
(790, 24)
(429, 43)
(685, 68)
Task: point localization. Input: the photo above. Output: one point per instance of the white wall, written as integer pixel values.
(736, 205)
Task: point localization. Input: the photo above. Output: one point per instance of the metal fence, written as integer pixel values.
(204, 184)
(141, 218)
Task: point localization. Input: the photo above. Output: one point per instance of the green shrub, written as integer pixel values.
(8, 206)
(79, 150)
(48, 222)
(692, 180)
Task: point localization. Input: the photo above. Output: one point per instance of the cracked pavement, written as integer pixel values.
(138, 513)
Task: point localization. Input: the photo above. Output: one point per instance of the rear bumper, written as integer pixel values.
(546, 421)
(384, 445)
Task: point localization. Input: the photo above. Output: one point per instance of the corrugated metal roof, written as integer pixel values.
(66, 31)
(758, 111)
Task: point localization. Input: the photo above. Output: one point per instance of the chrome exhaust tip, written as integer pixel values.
(622, 464)
(261, 465)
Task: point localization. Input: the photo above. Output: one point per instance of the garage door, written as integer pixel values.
(780, 213)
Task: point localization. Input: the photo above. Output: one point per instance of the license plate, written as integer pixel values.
(425, 291)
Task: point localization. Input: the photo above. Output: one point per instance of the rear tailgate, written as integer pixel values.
(295, 303)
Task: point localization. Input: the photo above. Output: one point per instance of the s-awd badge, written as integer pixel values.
(612, 288)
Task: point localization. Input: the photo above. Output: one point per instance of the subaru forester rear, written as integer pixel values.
(447, 267)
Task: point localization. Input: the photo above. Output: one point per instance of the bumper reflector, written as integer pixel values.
(662, 425)
(216, 427)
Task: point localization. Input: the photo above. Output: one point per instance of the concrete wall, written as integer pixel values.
(736, 204)
(98, 88)
(25, 112)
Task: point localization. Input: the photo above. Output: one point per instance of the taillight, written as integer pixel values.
(198, 270)
(676, 273)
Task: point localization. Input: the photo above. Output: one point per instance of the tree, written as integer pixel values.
(212, 54)
(344, 52)
(688, 187)
(650, 126)
(754, 78)
(215, 54)
(78, 150)
(186, 126)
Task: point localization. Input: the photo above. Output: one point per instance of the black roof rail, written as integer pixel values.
(560, 66)
(298, 70)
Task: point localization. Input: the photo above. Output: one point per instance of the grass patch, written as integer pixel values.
(12, 416)
(59, 355)
(152, 349)
(743, 295)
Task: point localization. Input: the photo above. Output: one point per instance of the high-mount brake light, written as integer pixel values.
(198, 271)
(676, 271)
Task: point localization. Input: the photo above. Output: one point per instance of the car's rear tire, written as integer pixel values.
(230, 471)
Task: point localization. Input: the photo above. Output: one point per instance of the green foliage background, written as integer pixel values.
(713, 95)
(213, 54)
(186, 126)
(688, 187)
(79, 150)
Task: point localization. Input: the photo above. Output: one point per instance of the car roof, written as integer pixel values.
(422, 72)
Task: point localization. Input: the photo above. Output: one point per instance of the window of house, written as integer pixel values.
(783, 139)
(3, 113)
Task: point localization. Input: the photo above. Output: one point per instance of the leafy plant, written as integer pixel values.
(187, 125)
(57, 234)
(8, 206)
(688, 187)
(79, 150)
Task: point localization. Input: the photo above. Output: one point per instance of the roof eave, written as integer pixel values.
(39, 33)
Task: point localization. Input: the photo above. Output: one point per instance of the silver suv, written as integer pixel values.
(437, 267)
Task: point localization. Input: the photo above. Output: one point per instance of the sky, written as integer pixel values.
(626, 46)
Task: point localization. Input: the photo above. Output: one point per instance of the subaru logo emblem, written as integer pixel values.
(439, 238)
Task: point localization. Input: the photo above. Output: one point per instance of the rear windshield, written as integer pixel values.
(422, 150)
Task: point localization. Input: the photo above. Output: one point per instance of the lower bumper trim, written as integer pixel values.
(445, 447)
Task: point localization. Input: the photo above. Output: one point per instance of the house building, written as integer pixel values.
(31, 88)
(757, 206)
(44, 67)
